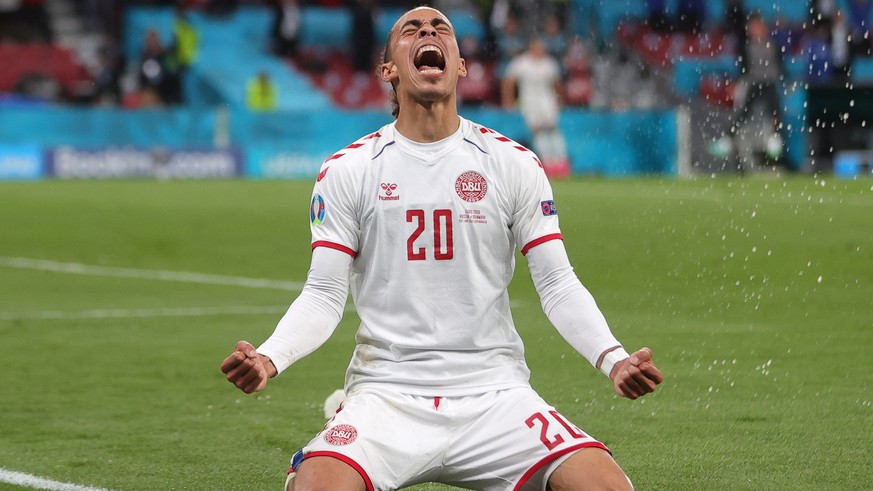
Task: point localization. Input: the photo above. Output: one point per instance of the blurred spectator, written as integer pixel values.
(500, 12)
(261, 93)
(536, 78)
(107, 76)
(735, 25)
(840, 46)
(824, 8)
(787, 35)
(554, 38)
(286, 27)
(761, 71)
(757, 117)
(816, 49)
(510, 40)
(477, 87)
(363, 35)
(617, 79)
(579, 86)
(183, 53)
(155, 77)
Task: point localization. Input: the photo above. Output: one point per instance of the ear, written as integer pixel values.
(388, 72)
(462, 68)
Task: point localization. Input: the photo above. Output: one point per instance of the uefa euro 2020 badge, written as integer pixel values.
(316, 210)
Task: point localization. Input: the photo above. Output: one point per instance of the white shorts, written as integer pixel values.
(507, 439)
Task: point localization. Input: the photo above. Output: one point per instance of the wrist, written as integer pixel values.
(610, 358)
(269, 366)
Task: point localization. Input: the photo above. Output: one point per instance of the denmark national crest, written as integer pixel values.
(471, 186)
(341, 435)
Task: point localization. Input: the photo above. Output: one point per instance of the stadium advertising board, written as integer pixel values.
(20, 162)
(272, 163)
(129, 162)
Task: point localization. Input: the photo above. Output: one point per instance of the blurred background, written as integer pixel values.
(268, 89)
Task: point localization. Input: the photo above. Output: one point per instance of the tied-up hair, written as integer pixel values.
(392, 98)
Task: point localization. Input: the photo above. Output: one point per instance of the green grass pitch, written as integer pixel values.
(756, 296)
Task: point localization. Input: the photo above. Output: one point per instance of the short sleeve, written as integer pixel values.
(535, 218)
(334, 221)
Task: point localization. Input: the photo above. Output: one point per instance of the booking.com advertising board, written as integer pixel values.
(31, 162)
(128, 163)
(63, 143)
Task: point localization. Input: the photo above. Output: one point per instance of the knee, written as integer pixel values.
(603, 482)
(295, 484)
(590, 469)
(616, 481)
(325, 474)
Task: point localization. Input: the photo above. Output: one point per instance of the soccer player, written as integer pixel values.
(422, 219)
(536, 76)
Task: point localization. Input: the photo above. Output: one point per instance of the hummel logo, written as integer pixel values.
(388, 192)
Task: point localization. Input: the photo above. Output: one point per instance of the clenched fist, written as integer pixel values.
(636, 375)
(246, 369)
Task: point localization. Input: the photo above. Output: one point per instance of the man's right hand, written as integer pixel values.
(636, 375)
(246, 369)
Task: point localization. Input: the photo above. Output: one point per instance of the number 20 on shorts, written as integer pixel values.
(553, 439)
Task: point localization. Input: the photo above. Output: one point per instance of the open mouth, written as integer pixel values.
(429, 60)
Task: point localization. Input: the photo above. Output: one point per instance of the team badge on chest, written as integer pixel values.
(471, 186)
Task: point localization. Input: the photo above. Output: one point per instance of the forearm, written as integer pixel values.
(314, 315)
(571, 308)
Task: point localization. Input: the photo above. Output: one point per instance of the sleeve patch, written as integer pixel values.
(549, 208)
(317, 210)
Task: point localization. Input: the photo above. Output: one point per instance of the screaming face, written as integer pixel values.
(423, 59)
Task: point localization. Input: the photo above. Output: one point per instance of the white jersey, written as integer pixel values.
(536, 79)
(433, 229)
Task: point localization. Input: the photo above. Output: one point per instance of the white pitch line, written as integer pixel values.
(149, 274)
(34, 482)
(139, 313)
(144, 313)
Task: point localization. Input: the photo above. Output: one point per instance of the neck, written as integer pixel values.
(427, 122)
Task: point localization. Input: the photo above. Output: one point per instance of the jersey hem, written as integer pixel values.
(551, 458)
(546, 238)
(335, 246)
(433, 391)
(346, 460)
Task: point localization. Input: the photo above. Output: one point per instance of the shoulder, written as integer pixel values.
(516, 64)
(355, 157)
(504, 149)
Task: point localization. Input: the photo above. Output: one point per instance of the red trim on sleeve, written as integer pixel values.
(335, 246)
(530, 245)
(347, 460)
(551, 458)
